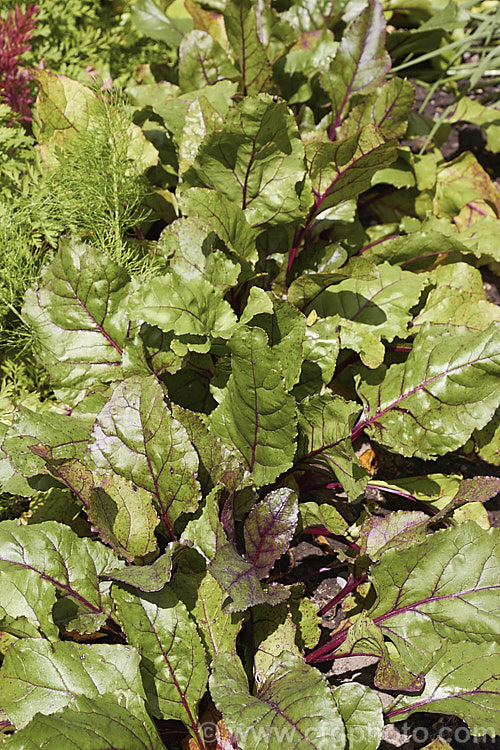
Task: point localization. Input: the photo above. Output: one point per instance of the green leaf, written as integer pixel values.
(90, 724)
(324, 433)
(293, 706)
(430, 404)
(149, 577)
(361, 711)
(321, 346)
(307, 287)
(256, 417)
(191, 254)
(173, 666)
(192, 308)
(79, 317)
(151, 21)
(432, 592)
(387, 108)
(47, 559)
(361, 62)
(42, 677)
(398, 530)
(380, 305)
(269, 529)
(123, 516)
(202, 61)
(243, 33)
(344, 169)
(204, 597)
(256, 161)
(463, 681)
(136, 436)
(224, 217)
(487, 440)
(462, 182)
(324, 515)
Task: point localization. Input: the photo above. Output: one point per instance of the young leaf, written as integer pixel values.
(396, 531)
(79, 317)
(361, 62)
(324, 516)
(432, 592)
(324, 434)
(269, 528)
(293, 706)
(50, 558)
(100, 723)
(123, 516)
(430, 405)
(240, 581)
(136, 436)
(463, 681)
(387, 108)
(361, 711)
(149, 577)
(243, 33)
(256, 161)
(256, 417)
(173, 665)
(42, 677)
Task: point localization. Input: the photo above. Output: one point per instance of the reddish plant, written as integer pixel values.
(15, 31)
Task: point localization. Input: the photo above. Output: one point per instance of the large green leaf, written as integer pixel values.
(136, 436)
(202, 61)
(387, 108)
(432, 592)
(240, 18)
(293, 706)
(256, 160)
(42, 677)
(173, 660)
(46, 559)
(361, 62)
(153, 22)
(344, 169)
(79, 317)
(463, 681)
(90, 724)
(430, 404)
(381, 305)
(256, 417)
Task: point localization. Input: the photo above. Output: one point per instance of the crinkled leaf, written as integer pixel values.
(136, 436)
(173, 665)
(256, 160)
(307, 287)
(206, 532)
(324, 433)
(90, 724)
(478, 489)
(462, 182)
(396, 531)
(240, 18)
(432, 592)
(124, 517)
(150, 20)
(48, 559)
(382, 305)
(387, 108)
(79, 317)
(201, 118)
(240, 581)
(361, 711)
(224, 217)
(202, 61)
(269, 528)
(361, 62)
(463, 681)
(193, 308)
(293, 706)
(430, 404)
(191, 254)
(256, 417)
(42, 677)
(281, 639)
(204, 597)
(365, 340)
(342, 170)
(321, 346)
